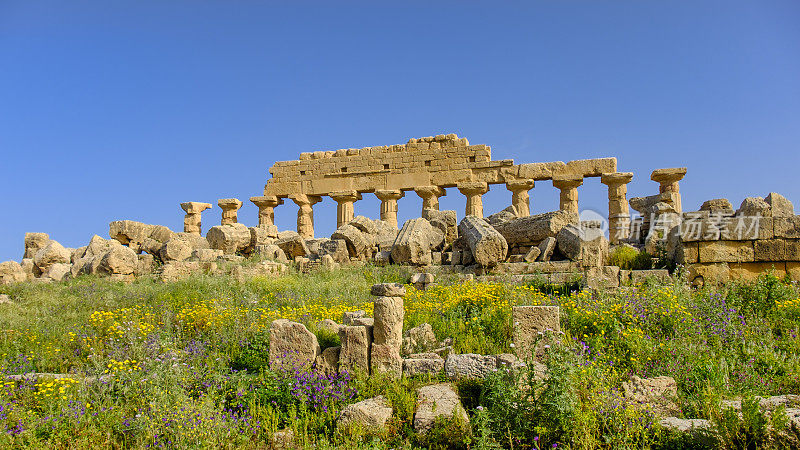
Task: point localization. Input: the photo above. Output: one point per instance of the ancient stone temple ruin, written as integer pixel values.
(713, 244)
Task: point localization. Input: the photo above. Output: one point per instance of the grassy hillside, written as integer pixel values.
(184, 364)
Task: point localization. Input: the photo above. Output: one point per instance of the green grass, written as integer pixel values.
(184, 364)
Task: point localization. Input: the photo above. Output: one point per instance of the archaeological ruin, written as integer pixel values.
(714, 244)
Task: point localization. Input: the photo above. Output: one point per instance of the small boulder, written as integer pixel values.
(780, 205)
(388, 290)
(368, 415)
(52, 253)
(469, 365)
(291, 345)
(230, 238)
(437, 400)
(11, 272)
(419, 339)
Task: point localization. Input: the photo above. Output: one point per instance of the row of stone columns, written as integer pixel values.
(619, 215)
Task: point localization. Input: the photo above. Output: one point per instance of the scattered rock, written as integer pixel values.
(327, 362)
(534, 229)
(370, 415)
(469, 365)
(415, 241)
(437, 400)
(230, 238)
(488, 247)
(419, 339)
(388, 290)
(52, 253)
(658, 393)
(546, 248)
(354, 354)
(11, 272)
(416, 365)
(291, 345)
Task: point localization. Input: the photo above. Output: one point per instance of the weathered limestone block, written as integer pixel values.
(34, 242)
(639, 276)
(354, 354)
(389, 313)
(754, 206)
(327, 362)
(358, 244)
(602, 277)
(291, 345)
(230, 210)
(546, 248)
(388, 290)
(533, 229)
(749, 272)
(345, 210)
(527, 323)
(11, 272)
(30, 269)
(56, 272)
(587, 245)
(119, 260)
(181, 246)
(419, 339)
(145, 265)
(50, 254)
(779, 205)
(445, 221)
(271, 251)
(502, 216)
(668, 183)
(787, 227)
(384, 236)
(422, 280)
(191, 221)
(487, 245)
(140, 237)
(769, 250)
(368, 415)
(726, 251)
(431, 365)
(717, 205)
(386, 359)
(348, 317)
(469, 365)
(659, 392)
(437, 400)
(230, 238)
(415, 241)
(688, 253)
(594, 167)
(336, 248)
(262, 236)
(292, 244)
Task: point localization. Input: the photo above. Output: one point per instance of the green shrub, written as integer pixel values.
(623, 256)
(252, 355)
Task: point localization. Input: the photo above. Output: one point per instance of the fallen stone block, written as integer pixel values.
(291, 345)
(488, 247)
(469, 365)
(368, 415)
(415, 241)
(533, 229)
(11, 272)
(529, 325)
(230, 238)
(437, 400)
(419, 366)
(354, 354)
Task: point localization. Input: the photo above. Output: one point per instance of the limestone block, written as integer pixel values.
(749, 272)
(291, 345)
(787, 227)
(327, 362)
(386, 359)
(50, 254)
(546, 248)
(532, 254)
(34, 242)
(415, 241)
(591, 167)
(602, 277)
(750, 227)
(140, 237)
(389, 313)
(541, 171)
(230, 238)
(793, 269)
(659, 393)
(639, 276)
(271, 251)
(57, 271)
(769, 250)
(388, 290)
(119, 260)
(418, 366)
(532, 230)
(714, 273)
(368, 415)
(726, 251)
(754, 206)
(348, 317)
(145, 265)
(437, 400)
(502, 216)
(469, 365)
(12, 272)
(293, 246)
(336, 248)
(527, 323)
(688, 253)
(792, 250)
(358, 244)
(445, 221)
(262, 235)
(779, 205)
(717, 205)
(354, 354)
(487, 245)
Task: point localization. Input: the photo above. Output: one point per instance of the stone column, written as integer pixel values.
(619, 215)
(266, 209)
(230, 208)
(305, 214)
(473, 190)
(389, 198)
(430, 196)
(191, 221)
(568, 184)
(345, 210)
(668, 183)
(520, 198)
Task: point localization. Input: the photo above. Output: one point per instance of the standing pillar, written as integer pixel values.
(345, 210)
(305, 213)
(568, 184)
(230, 210)
(520, 199)
(619, 216)
(474, 190)
(430, 196)
(191, 221)
(266, 209)
(389, 198)
(668, 183)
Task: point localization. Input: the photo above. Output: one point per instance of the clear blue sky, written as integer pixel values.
(122, 110)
